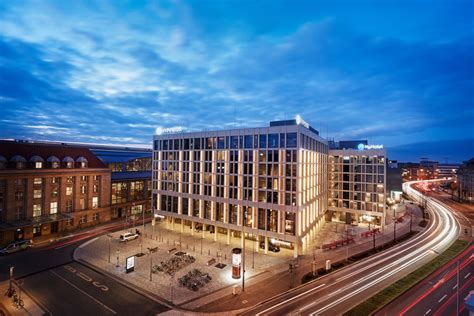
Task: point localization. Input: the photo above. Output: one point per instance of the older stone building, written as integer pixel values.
(49, 188)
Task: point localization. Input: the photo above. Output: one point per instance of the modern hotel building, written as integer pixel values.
(357, 183)
(269, 183)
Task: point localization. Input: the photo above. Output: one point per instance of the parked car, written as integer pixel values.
(16, 246)
(271, 247)
(128, 236)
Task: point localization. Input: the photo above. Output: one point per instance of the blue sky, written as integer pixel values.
(399, 73)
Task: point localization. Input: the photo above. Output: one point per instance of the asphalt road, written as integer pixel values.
(74, 289)
(436, 295)
(65, 287)
(339, 291)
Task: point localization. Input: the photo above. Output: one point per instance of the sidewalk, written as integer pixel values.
(269, 275)
(7, 306)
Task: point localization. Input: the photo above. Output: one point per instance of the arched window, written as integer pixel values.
(37, 162)
(19, 161)
(68, 162)
(82, 162)
(54, 162)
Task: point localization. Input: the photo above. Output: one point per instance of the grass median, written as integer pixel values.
(393, 291)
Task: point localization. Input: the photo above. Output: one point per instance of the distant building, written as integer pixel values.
(394, 179)
(448, 171)
(130, 181)
(49, 188)
(465, 178)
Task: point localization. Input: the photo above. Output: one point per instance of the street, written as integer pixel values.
(74, 289)
(62, 286)
(437, 293)
(339, 291)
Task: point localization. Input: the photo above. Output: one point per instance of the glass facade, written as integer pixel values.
(269, 182)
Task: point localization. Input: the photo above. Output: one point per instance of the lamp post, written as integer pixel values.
(109, 236)
(394, 224)
(143, 216)
(10, 286)
(151, 251)
(243, 258)
(117, 264)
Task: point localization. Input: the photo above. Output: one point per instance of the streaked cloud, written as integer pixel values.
(115, 72)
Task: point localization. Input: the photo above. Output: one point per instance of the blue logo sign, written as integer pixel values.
(360, 147)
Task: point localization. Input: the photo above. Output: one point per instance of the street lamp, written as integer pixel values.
(151, 251)
(109, 236)
(394, 224)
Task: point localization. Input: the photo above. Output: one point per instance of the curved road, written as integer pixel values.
(339, 291)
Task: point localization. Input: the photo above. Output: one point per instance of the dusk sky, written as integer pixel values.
(398, 73)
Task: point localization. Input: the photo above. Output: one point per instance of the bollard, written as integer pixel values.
(194, 247)
(187, 246)
(167, 241)
(225, 256)
(209, 252)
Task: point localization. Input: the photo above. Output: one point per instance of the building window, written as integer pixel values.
(291, 140)
(96, 178)
(290, 223)
(54, 192)
(19, 213)
(95, 188)
(55, 164)
(83, 189)
(69, 179)
(83, 178)
(53, 208)
(95, 202)
(69, 222)
(68, 206)
(55, 180)
(38, 181)
(95, 217)
(38, 165)
(36, 210)
(82, 205)
(83, 219)
(19, 196)
(37, 193)
(119, 192)
(68, 190)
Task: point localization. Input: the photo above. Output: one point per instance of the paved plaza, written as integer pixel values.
(260, 268)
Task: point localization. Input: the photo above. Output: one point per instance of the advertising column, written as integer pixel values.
(236, 262)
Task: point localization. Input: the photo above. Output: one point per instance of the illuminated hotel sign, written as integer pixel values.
(300, 121)
(168, 130)
(368, 147)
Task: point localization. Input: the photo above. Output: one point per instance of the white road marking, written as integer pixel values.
(87, 294)
(290, 299)
(427, 312)
(88, 242)
(441, 299)
(454, 287)
(467, 275)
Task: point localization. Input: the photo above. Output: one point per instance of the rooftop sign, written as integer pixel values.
(168, 130)
(368, 147)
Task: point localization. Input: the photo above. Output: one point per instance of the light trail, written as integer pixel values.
(444, 238)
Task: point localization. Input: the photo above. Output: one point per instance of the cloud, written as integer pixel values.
(116, 72)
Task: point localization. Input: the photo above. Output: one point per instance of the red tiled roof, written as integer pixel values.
(8, 149)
